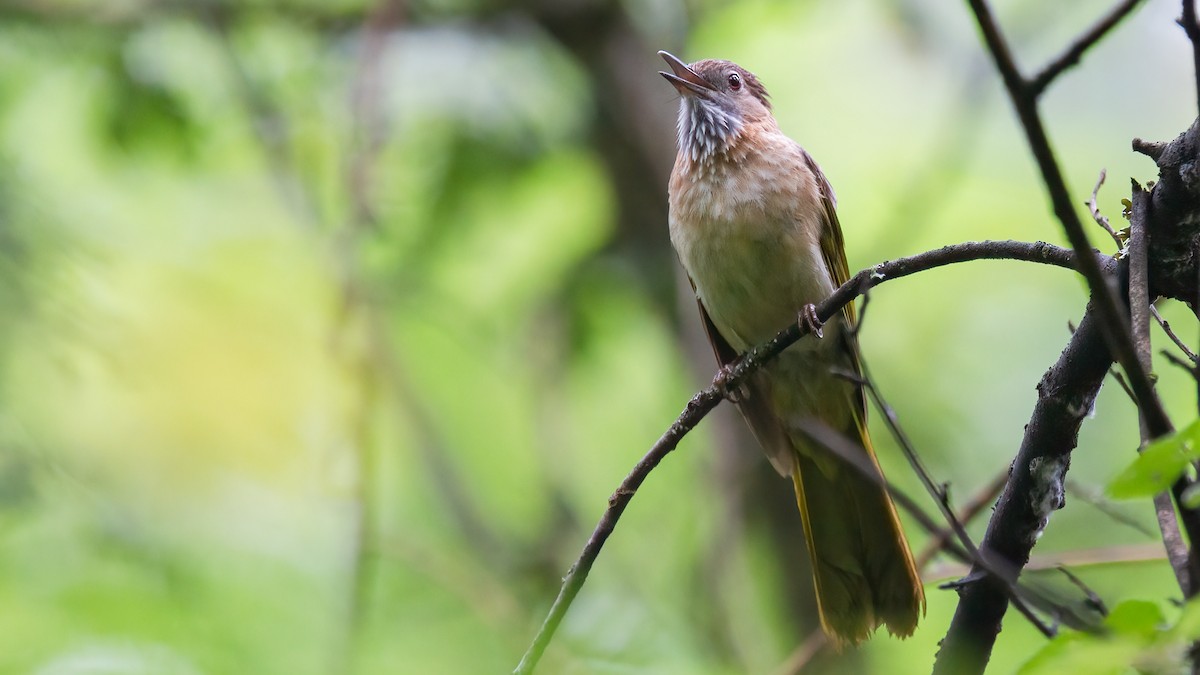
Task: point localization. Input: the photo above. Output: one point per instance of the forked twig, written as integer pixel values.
(1100, 218)
(1074, 52)
(849, 453)
(817, 641)
(1166, 327)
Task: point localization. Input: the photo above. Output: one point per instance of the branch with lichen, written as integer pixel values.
(1165, 264)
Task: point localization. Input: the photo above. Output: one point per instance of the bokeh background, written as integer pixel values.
(329, 327)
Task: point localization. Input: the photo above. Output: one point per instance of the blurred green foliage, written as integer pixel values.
(1136, 637)
(332, 326)
(1158, 466)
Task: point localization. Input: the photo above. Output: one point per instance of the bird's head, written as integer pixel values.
(719, 102)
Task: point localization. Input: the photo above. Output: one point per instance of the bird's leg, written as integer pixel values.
(721, 382)
(808, 320)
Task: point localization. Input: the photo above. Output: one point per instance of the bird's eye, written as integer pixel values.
(735, 81)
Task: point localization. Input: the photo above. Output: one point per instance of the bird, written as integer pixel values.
(754, 223)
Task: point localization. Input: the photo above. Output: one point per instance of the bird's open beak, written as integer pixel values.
(685, 79)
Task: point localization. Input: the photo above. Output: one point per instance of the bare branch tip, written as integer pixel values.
(1152, 149)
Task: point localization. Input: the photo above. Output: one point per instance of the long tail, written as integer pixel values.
(863, 569)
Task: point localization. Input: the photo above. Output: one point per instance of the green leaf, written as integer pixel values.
(1136, 617)
(1080, 653)
(1158, 466)
(1191, 496)
(1187, 629)
(1132, 633)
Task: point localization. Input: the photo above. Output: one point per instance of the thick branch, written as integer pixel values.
(1035, 489)
(704, 401)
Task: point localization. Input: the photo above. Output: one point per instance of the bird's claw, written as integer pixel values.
(808, 320)
(721, 382)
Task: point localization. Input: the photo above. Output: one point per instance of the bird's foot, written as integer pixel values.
(721, 382)
(808, 320)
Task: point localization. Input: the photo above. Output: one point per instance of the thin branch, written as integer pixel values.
(1139, 312)
(1100, 218)
(1139, 291)
(1072, 54)
(1184, 566)
(1166, 327)
(706, 400)
(935, 490)
(1177, 361)
(1187, 581)
(1113, 320)
(847, 452)
(983, 498)
(1173, 543)
(1192, 29)
(1116, 374)
(1087, 557)
(1152, 149)
(940, 541)
(270, 126)
(1093, 599)
(998, 568)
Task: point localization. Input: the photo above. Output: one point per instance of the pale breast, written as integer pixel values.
(747, 230)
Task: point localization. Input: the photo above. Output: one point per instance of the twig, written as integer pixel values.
(1139, 290)
(1094, 600)
(704, 401)
(1152, 149)
(1116, 374)
(1074, 52)
(1192, 29)
(1171, 334)
(1140, 307)
(1087, 557)
(1177, 361)
(996, 567)
(817, 641)
(935, 490)
(1100, 218)
(847, 451)
(982, 498)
